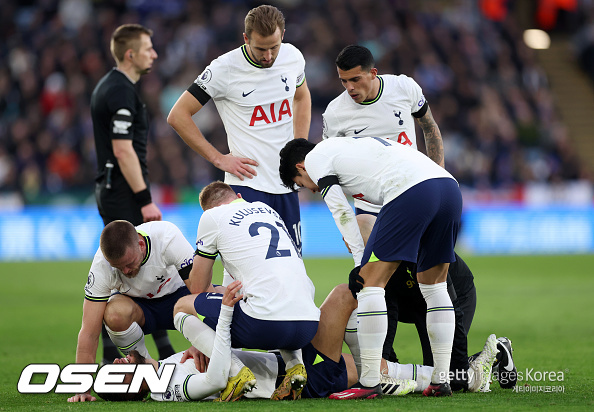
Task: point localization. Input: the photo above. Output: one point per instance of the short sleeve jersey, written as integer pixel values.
(177, 390)
(263, 365)
(256, 249)
(118, 113)
(371, 169)
(390, 115)
(256, 107)
(167, 253)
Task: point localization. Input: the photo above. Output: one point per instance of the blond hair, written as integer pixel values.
(215, 194)
(126, 37)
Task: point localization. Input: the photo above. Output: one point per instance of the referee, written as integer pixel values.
(120, 126)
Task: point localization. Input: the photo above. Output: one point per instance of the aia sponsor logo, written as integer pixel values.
(271, 114)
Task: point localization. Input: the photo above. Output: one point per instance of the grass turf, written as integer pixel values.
(540, 302)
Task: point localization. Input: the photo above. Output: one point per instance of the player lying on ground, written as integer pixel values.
(328, 370)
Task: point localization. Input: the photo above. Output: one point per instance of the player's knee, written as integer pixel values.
(341, 299)
(378, 273)
(118, 318)
(185, 304)
(349, 302)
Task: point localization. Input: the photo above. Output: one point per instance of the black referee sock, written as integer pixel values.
(163, 343)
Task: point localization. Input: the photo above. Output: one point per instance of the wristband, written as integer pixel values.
(143, 198)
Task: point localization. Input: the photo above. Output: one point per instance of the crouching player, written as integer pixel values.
(328, 370)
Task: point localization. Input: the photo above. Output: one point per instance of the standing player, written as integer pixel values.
(261, 94)
(278, 311)
(419, 221)
(120, 126)
(384, 106)
(147, 265)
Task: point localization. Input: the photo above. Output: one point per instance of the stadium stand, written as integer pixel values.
(487, 92)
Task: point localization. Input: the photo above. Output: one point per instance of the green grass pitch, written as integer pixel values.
(543, 303)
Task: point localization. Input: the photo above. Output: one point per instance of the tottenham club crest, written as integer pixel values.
(284, 80)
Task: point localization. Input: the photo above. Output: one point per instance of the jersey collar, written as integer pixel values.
(147, 241)
(124, 73)
(239, 200)
(246, 54)
(379, 93)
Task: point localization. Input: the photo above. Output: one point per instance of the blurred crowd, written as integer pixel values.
(485, 88)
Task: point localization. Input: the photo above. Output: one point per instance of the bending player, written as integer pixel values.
(148, 265)
(279, 311)
(388, 106)
(419, 220)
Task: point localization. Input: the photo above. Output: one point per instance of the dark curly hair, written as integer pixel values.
(294, 152)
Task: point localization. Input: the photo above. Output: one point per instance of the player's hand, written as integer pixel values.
(356, 282)
(238, 166)
(82, 397)
(201, 361)
(150, 212)
(229, 297)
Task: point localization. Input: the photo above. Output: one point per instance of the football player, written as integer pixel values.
(419, 221)
(388, 106)
(279, 311)
(147, 265)
(261, 94)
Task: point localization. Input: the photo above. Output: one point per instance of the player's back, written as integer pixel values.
(372, 169)
(256, 249)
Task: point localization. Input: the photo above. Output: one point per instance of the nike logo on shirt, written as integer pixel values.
(359, 131)
(247, 94)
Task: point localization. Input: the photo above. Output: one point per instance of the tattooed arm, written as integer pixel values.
(433, 141)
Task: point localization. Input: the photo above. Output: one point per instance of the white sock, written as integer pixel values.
(440, 328)
(202, 337)
(130, 339)
(352, 340)
(291, 358)
(373, 326)
(419, 373)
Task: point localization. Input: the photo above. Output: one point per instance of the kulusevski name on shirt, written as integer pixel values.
(238, 216)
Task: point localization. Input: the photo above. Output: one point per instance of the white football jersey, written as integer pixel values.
(256, 249)
(167, 252)
(256, 107)
(177, 390)
(370, 169)
(389, 115)
(187, 379)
